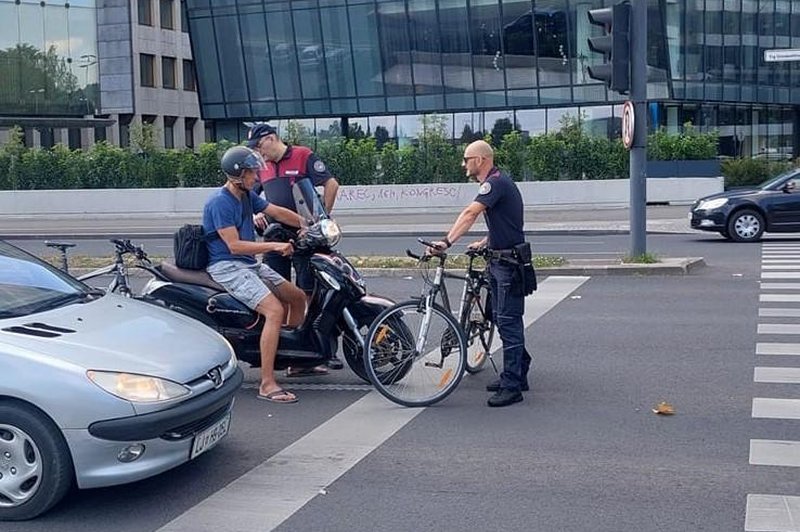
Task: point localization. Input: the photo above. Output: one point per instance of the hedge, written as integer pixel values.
(567, 154)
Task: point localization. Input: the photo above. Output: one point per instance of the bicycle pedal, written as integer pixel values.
(433, 365)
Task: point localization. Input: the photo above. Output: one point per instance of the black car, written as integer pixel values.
(743, 215)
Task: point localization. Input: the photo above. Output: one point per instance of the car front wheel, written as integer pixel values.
(35, 464)
(746, 226)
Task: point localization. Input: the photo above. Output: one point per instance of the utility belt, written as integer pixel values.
(520, 257)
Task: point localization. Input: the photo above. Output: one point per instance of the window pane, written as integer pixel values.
(550, 22)
(456, 57)
(518, 42)
(145, 12)
(256, 57)
(232, 69)
(338, 59)
(207, 63)
(425, 47)
(168, 72)
(147, 70)
(364, 35)
(395, 49)
(487, 57)
(189, 81)
(167, 19)
(282, 51)
(311, 54)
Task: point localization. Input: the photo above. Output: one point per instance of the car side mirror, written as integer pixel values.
(789, 187)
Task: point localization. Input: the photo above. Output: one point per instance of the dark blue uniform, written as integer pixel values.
(504, 218)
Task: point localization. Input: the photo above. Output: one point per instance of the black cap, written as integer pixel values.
(257, 132)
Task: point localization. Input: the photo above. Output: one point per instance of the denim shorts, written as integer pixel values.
(247, 282)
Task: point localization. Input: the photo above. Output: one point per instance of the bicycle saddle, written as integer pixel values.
(59, 245)
(180, 275)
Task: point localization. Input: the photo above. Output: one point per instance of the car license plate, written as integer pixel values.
(210, 437)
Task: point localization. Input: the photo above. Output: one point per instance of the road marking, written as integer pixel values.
(775, 453)
(267, 495)
(793, 260)
(779, 313)
(779, 298)
(774, 348)
(778, 328)
(772, 513)
(787, 267)
(780, 275)
(780, 286)
(767, 407)
(775, 375)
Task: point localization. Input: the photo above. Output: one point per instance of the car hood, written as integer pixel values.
(737, 193)
(120, 334)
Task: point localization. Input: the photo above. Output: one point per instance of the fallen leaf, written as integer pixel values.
(663, 408)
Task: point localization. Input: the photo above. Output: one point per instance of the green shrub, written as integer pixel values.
(752, 172)
(687, 145)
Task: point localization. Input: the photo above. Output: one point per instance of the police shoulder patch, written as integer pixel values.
(319, 166)
(486, 187)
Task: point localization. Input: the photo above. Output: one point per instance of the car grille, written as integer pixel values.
(190, 429)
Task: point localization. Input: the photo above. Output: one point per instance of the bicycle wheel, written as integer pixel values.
(408, 376)
(479, 328)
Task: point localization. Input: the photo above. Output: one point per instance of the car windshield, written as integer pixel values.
(775, 181)
(29, 285)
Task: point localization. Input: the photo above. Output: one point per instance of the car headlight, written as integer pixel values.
(712, 204)
(232, 362)
(330, 230)
(137, 388)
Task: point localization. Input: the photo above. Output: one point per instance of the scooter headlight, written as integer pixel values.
(330, 230)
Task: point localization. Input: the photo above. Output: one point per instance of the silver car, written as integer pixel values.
(97, 389)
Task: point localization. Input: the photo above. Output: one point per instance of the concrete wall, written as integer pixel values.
(178, 201)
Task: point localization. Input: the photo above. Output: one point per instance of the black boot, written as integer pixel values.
(505, 398)
(334, 363)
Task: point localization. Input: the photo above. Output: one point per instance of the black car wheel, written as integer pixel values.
(746, 226)
(35, 464)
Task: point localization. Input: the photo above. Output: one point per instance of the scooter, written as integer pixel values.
(339, 306)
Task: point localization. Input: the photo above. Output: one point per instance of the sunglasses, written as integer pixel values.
(466, 159)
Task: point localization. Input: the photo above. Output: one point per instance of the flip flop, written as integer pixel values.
(307, 372)
(272, 396)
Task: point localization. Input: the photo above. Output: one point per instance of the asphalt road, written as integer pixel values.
(583, 452)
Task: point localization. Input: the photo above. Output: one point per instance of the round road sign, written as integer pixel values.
(628, 124)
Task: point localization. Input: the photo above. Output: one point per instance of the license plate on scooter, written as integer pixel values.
(210, 437)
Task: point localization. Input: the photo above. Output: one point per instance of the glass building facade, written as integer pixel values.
(387, 62)
(48, 58)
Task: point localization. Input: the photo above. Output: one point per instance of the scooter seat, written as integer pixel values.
(180, 275)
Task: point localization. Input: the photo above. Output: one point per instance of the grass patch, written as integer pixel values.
(454, 261)
(644, 258)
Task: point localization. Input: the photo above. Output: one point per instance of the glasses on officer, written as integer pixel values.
(467, 159)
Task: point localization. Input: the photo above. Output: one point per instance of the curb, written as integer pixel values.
(667, 266)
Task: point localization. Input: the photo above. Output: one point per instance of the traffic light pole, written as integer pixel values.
(638, 155)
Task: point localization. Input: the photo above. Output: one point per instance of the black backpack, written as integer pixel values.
(190, 247)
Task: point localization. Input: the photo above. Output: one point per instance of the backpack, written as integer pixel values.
(190, 248)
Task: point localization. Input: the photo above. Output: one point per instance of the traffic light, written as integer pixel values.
(614, 45)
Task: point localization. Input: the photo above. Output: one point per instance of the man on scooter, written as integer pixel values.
(232, 259)
(285, 165)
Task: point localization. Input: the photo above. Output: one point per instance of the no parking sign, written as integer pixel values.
(628, 124)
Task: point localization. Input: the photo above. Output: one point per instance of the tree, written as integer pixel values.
(467, 135)
(34, 78)
(502, 127)
(355, 131)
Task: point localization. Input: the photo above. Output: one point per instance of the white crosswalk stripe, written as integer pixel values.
(778, 512)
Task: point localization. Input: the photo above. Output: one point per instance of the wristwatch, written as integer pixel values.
(447, 242)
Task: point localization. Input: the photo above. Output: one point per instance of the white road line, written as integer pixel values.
(778, 328)
(785, 267)
(779, 313)
(775, 453)
(267, 495)
(780, 286)
(775, 375)
(767, 260)
(779, 298)
(780, 275)
(767, 407)
(772, 513)
(774, 348)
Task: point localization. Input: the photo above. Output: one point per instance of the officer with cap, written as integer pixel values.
(285, 165)
(500, 202)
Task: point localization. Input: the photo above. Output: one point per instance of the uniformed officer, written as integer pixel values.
(285, 165)
(500, 202)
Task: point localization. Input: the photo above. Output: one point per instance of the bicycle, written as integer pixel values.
(432, 370)
(119, 269)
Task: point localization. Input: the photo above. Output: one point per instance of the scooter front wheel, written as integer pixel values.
(416, 355)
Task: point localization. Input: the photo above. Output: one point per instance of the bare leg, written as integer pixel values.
(295, 301)
(273, 311)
